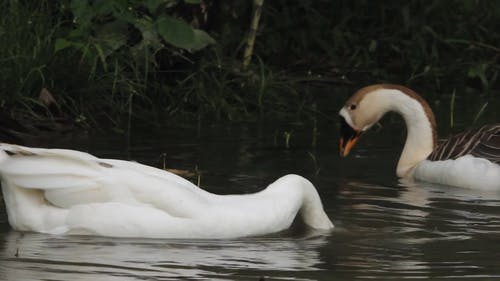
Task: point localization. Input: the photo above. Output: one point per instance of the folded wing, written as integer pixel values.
(482, 142)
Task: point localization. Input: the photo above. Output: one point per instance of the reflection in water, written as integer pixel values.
(385, 229)
(421, 230)
(33, 256)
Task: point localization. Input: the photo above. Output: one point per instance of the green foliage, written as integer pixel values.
(399, 41)
(106, 26)
(91, 54)
(24, 52)
(155, 59)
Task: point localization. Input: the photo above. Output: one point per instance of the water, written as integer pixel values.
(384, 229)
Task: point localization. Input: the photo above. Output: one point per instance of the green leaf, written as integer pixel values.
(112, 36)
(149, 35)
(146, 27)
(102, 7)
(192, 1)
(201, 40)
(62, 43)
(82, 12)
(175, 32)
(153, 5)
(125, 15)
(151, 41)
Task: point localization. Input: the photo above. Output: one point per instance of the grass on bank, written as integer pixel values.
(297, 48)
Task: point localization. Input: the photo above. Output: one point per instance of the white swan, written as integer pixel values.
(61, 191)
(470, 159)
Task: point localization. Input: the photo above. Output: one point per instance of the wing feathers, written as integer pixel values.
(483, 142)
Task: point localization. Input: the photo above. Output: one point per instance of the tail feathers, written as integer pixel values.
(62, 177)
(47, 169)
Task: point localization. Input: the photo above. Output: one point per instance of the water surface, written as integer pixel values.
(384, 229)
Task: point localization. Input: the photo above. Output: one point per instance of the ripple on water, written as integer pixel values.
(385, 229)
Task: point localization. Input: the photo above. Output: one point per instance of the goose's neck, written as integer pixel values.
(421, 132)
(281, 201)
(312, 211)
(311, 208)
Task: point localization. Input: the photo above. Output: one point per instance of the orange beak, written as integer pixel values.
(348, 137)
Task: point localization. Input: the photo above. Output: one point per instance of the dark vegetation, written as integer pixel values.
(98, 63)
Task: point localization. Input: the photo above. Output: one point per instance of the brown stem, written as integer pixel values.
(253, 32)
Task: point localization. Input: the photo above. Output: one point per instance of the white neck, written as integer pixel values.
(276, 206)
(420, 135)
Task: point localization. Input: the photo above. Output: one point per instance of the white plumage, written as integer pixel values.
(466, 171)
(70, 192)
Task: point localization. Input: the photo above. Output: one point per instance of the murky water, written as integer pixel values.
(384, 229)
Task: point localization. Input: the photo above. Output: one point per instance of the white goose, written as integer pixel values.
(470, 159)
(61, 191)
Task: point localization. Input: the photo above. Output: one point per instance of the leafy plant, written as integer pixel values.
(102, 27)
(122, 59)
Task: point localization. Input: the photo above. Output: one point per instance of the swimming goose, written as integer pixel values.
(470, 159)
(59, 191)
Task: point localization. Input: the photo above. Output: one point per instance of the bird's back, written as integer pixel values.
(482, 142)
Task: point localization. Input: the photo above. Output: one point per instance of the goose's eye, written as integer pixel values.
(352, 107)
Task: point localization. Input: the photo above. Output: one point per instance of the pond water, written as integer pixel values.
(384, 229)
